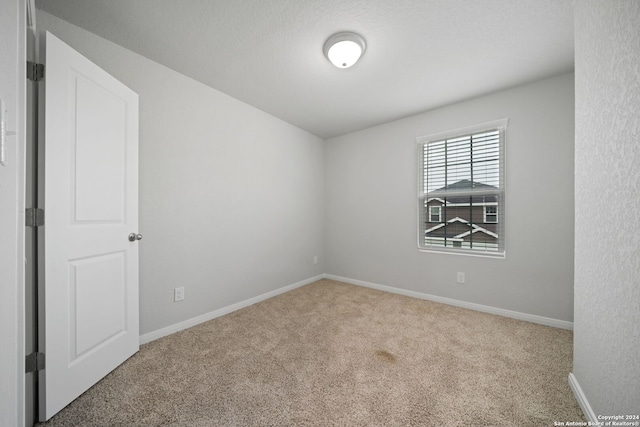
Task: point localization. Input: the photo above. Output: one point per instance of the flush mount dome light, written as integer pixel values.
(344, 49)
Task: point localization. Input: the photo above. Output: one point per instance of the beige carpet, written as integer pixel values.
(333, 354)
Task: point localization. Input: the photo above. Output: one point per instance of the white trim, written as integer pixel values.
(462, 252)
(451, 239)
(435, 227)
(435, 198)
(476, 228)
(464, 205)
(547, 321)
(152, 336)
(456, 219)
(177, 327)
(582, 399)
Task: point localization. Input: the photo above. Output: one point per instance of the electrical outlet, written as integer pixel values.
(178, 294)
(461, 277)
(315, 259)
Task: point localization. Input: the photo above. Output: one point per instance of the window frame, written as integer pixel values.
(423, 218)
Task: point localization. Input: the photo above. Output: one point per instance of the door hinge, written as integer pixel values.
(34, 362)
(34, 217)
(35, 71)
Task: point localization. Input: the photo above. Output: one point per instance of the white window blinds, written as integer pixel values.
(462, 176)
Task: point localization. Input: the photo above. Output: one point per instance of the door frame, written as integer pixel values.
(31, 233)
(13, 91)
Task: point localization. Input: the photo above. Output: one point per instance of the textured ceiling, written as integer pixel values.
(421, 54)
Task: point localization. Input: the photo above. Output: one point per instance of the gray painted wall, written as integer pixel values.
(607, 253)
(230, 197)
(371, 188)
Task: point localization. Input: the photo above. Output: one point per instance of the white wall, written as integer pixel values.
(230, 197)
(606, 361)
(12, 68)
(371, 210)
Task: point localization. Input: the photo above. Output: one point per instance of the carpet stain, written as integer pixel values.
(386, 356)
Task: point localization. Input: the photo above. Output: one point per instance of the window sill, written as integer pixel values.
(472, 253)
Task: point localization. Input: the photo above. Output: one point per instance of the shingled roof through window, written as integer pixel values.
(466, 184)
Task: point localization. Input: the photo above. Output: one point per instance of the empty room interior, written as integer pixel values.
(441, 233)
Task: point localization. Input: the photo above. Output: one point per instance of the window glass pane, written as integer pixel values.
(461, 194)
(463, 162)
(463, 223)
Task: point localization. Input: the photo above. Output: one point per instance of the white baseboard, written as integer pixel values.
(547, 321)
(151, 336)
(582, 399)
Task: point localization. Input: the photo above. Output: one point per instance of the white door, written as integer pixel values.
(89, 277)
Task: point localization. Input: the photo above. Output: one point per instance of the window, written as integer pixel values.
(463, 172)
(434, 213)
(491, 214)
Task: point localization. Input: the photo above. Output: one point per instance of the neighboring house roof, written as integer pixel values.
(466, 184)
(474, 229)
(436, 198)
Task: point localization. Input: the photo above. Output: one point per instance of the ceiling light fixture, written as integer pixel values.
(344, 49)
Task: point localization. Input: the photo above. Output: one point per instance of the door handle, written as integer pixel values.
(133, 237)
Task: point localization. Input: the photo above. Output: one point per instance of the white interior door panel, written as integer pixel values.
(89, 273)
